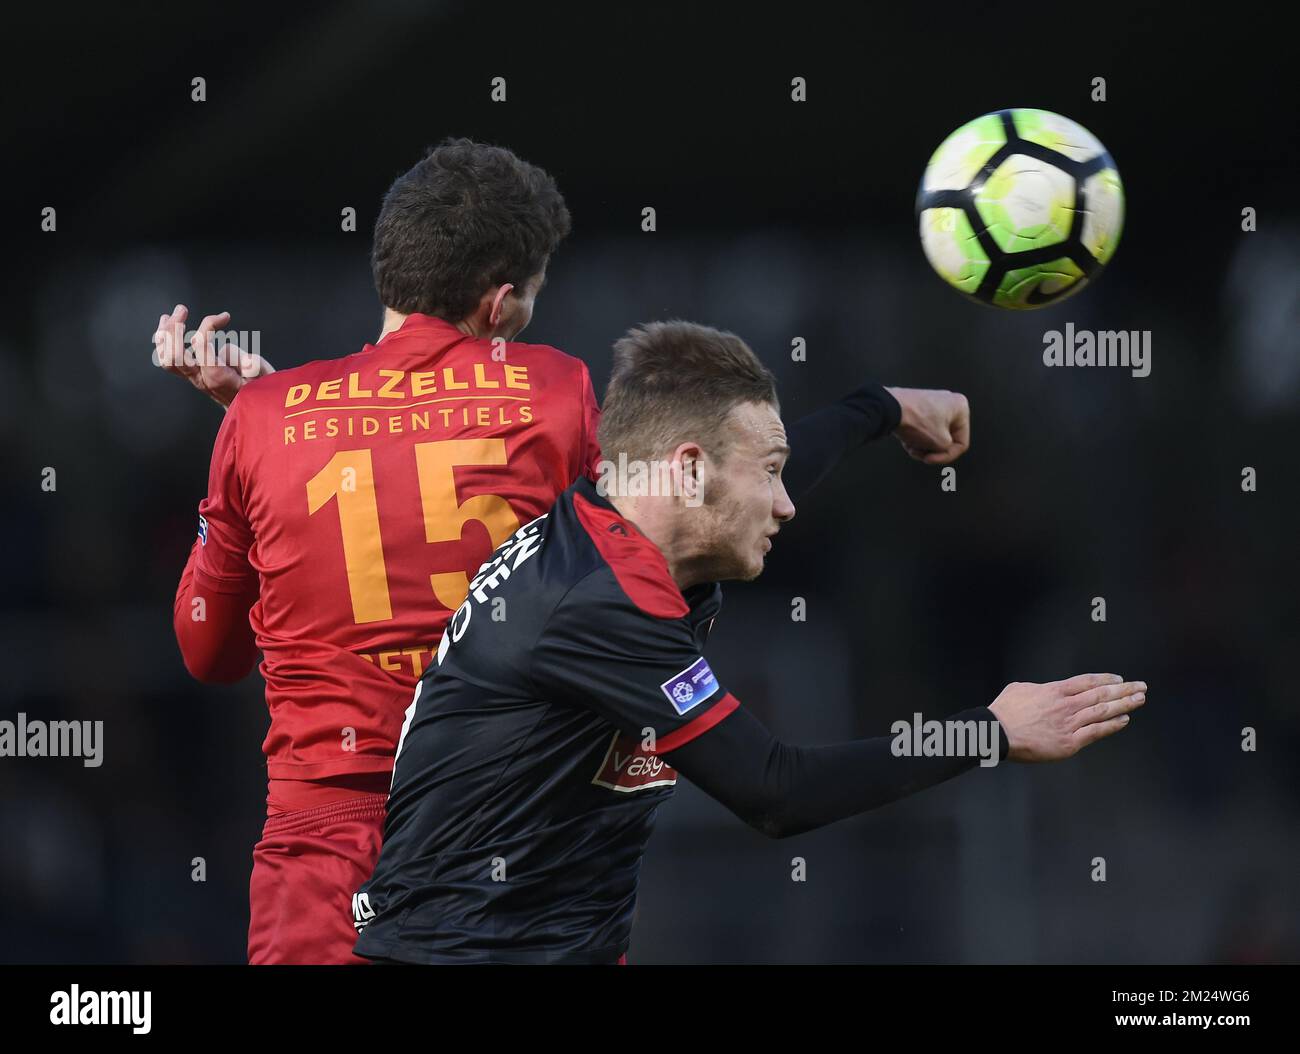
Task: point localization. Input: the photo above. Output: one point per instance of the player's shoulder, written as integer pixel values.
(623, 568)
(546, 356)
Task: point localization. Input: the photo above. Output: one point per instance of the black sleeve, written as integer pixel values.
(642, 673)
(821, 440)
(783, 790)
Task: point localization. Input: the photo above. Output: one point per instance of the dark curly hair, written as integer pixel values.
(465, 218)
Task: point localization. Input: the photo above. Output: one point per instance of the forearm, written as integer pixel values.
(212, 628)
(783, 790)
(819, 441)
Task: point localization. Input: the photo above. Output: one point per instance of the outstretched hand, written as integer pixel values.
(1048, 722)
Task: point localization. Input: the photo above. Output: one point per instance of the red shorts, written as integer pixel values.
(306, 868)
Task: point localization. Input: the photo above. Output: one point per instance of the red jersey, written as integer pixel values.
(356, 497)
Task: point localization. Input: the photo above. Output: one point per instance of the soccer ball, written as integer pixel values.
(1020, 208)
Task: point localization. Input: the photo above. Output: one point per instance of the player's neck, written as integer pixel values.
(393, 322)
(654, 518)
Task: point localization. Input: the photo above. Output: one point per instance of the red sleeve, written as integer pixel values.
(590, 424)
(219, 584)
(225, 536)
(212, 629)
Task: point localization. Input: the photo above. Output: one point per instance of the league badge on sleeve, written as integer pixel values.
(690, 687)
(203, 531)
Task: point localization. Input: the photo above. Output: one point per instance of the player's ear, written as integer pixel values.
(496, 306)
(688, 465)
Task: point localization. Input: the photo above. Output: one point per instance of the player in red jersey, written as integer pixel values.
(348, 499)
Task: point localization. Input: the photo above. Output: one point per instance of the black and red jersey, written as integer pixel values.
(529, 772)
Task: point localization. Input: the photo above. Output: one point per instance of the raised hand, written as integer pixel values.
(217, 372)
(935, 426)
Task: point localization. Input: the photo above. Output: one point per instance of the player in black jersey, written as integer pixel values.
(570, 688)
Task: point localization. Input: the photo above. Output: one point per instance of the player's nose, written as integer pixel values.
(782, 507)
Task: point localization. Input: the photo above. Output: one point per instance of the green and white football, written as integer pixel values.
(1020, 208)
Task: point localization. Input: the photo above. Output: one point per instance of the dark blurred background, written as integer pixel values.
(776, 220)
